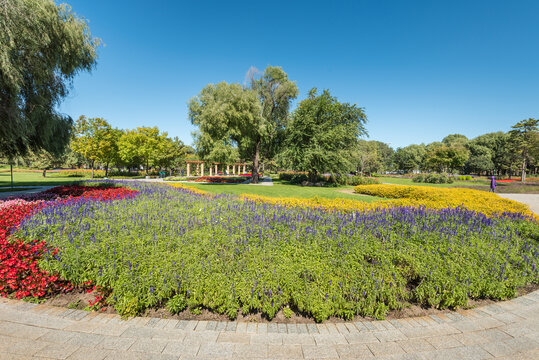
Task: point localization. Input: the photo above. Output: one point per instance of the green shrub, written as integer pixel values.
(362, 180)
(419, 178)
(433, 178)
(465, 177)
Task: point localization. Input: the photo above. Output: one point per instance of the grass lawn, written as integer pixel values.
(34, 179)
(283, 189)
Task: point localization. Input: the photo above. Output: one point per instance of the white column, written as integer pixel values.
(202, 169)
(188, 169)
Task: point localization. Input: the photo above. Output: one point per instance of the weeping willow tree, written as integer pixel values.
(43, 46)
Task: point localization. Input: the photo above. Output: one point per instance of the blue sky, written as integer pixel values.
(421, 69)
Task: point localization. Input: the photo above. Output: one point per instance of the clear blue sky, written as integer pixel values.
(421, 69)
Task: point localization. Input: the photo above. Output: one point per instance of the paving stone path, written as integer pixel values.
(508, 330)
(532, 200)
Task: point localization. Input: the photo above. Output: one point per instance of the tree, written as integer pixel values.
(442, 158)
(455, 140)
(221, 150)
(170, 153)
(43, 47)
(409, 158)
(480, 159)
(523, 137)
(141, 145)
(95, 140)
(229, 115)
(275, 93)
(250, 119)
(367, 158)
(322, 134)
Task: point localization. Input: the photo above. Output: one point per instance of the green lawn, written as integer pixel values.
(282, 189)
(34, 179)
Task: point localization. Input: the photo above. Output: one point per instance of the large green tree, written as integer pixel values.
(523, 137)
(141, 145)
(171, 153)
(371, 156)
(42, 47)
(94, 139)
(250, 119)
(444, 158)
(323, 134)
(275, 93)
(409, 158)
(228, 115)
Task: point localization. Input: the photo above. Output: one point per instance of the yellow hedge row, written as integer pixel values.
(399, 196)
(441, 198)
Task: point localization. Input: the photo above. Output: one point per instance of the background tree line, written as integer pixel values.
(498, 153)
(322, 135)
(96, 144)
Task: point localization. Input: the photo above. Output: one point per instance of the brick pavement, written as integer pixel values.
(506, 330)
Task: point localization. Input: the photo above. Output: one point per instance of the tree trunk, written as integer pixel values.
(523, 174)
(92, 165)
(147, 165)
(107, 169)
(254, 172)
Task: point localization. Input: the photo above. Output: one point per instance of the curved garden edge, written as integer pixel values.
(503, 312)
(63, 303)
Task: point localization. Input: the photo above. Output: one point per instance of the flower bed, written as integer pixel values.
(219, 179)
(442, 198)
(20, 274)
(513, 180)
(174, 248)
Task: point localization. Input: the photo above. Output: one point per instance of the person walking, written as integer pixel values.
(492, 184)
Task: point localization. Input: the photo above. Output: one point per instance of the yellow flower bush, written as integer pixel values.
(441, 198)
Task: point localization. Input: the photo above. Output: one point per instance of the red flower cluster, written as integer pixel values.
(20, 275)
(92, 192)
(218, 179)
(513, 180)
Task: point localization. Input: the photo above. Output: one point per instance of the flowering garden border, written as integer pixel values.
(20, 275)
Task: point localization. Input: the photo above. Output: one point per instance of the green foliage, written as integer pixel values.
(443, 158)
(322, 135)
(480, 159)
(362, 180)
(434, 178)
(524, 138)
(465, 177)
(236, 122)
(367, 158)
(226, 114)
(95, 140)
(43, 46)
(409, 158)
(148, 146)
(177, 304)
(287, 312)
(275, 93)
